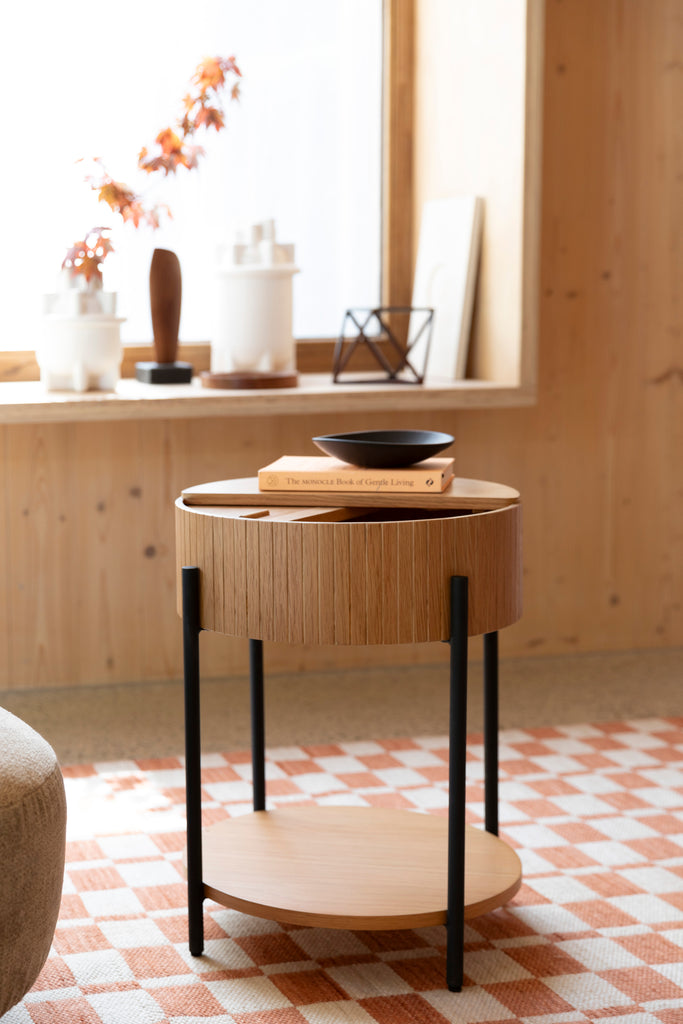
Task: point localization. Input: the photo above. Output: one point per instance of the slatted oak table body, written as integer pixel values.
(342, 574)
(350, 575)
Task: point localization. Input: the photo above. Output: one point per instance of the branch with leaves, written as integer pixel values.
(173, 148)
(86, 257)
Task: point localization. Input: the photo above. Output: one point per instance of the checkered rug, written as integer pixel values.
(594, 811)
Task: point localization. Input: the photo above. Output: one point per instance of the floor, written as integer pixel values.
(86, 724)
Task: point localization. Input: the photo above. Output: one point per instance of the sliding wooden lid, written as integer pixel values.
(335, 575)
(461, 493)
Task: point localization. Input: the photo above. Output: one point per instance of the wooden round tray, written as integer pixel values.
(351, 867)
(245, 379)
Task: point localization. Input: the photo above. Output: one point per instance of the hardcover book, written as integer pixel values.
(321, 473)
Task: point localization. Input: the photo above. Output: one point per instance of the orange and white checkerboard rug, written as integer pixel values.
(596, 932)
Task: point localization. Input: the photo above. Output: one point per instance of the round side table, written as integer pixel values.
(316, 569)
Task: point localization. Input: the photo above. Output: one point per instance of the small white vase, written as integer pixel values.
(80, 348)
(254, 327)
(253, 330)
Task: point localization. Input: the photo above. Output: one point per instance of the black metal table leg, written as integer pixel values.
(491, 732)
(258, 744)
(193, 782)
(455, 914)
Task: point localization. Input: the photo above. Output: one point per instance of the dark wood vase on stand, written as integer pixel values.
(165, 294)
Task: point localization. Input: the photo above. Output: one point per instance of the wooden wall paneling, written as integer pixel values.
(648, 408)
(149, 495)
(533, 189)
(45, 570)
(398, 151)
(112, 544)
(481, 65)
(601, 553)
(620, 264)
(596, 461)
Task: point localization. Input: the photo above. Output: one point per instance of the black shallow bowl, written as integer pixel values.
(383, 449)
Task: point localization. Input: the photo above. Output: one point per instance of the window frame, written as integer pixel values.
(314, 355)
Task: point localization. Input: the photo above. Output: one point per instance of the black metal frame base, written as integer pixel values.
(163, 373)
(455, 922)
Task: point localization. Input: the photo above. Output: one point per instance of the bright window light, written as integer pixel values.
(302, 146)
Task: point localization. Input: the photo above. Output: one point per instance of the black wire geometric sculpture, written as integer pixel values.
(376, 331)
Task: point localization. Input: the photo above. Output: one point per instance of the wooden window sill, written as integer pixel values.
(29, 402)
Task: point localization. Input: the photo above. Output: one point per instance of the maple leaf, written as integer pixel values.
(209, 74)
(192, 154)
(85, 257)
(169, 141)
(134, 212)
(212, 71)
(115, 195)
(173, 151)
(209, 116)
(99, 242)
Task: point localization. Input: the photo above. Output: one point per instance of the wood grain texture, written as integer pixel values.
(398, 154)
(460, 494)
(597, 458)
(29, 402)
(165, 296)
(492, 53)
(351, 867)
(351, 582)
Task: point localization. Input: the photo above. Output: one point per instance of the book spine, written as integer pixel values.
(396, 482)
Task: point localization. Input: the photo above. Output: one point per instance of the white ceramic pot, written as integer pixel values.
(254, 320)
(80, 353)
(80, 348)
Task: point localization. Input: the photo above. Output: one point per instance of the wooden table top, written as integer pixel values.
(461, 493)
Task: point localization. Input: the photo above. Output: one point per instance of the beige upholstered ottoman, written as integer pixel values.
(32, 840)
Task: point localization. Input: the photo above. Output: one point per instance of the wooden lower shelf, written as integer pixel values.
(350, 867)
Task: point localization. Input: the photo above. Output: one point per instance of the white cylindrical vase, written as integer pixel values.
(254, 320)
(80, 353)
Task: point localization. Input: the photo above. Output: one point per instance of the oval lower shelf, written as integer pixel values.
(351, 867)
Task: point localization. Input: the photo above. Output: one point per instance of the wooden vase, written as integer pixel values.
(165, 293)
